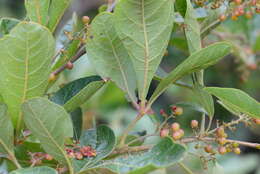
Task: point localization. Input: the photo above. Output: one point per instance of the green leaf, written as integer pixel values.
(102, 139)
(192, 28)
(6, 131)
(204, 99)
(25, 59)
(238, 100)
(6, 24)
(77, 121)
(38, 10)
(77, 92)
(192, 106)
(51, 124)
(181, 7)
(164, 154)
(56, 11)
(109, 56)
(145, 27)
(35, 170)
(195, 62)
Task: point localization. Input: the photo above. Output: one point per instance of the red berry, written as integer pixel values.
(222, 150)
(222, 17)
(48, 157)
(164, 133)
(78, 156)
(69, 65)
(194, 124)
(175, 127)
(208, 149)
(176, 135)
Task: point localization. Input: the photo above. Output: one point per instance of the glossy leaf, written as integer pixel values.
(102, 139)
(6, 24)
(197, 61)
(56, 11)
(38, 10)
(192, 28)
(238, 100)
(53, 126)
(77, 92)
(35, 170)
(6, 131)
(204, 99)
(25, 58)
(164, 154)
(109, 56)
(144, 26)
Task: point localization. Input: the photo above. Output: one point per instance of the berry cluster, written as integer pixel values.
(80, 152)
(37, 158)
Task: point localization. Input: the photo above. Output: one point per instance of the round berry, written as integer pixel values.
(85, 19)
(52, 77)
(48, 157)
(175, 127)
(222, 17)
(181, 132)
(69, 65)
(176, 135)
(237, 150)
(222, 150)
(208, 149)
(222, 141)
(220, 132)
(164, 133)
(234, 17)
(78, 156)
(194, 124)
(178, 111)
(257, 121)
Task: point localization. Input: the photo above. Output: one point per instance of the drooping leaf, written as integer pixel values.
(25, 58)
(164, 154)
(53, 126)
(204, 99)
(102, 139)
(56, 11)
(192, 28)
(35, 170)
(237, 100)
(144, 26)
(77, 120)
(197, 61)
(6, 24)
(6, 131)
(109, 56)
(77, 92)
(38, 10)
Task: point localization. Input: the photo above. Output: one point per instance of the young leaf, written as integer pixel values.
(102, 139)
(38, 10)
(35, 170)
(204, 99)
(51, 124)
(164, 154)
(145, 28)
(6, 131)
(195, 62)
(238, 100)
(6, 24)
(56, 11)
(108, 55)
(25, 59)
(77, 92)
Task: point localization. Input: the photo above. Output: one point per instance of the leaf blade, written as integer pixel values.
(35, 170)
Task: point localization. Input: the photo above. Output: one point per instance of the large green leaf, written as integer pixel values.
(6, 131)
(108, 55)
(162, 155)
(51, 124)
(197, 61)
(204, 99)
(102, 139)
(144, 26)
(192, 28)
(35, 170)
(38, 10)
(236, 99)
(77, 92)
(6, 24)
(56, 11)
(25, 58)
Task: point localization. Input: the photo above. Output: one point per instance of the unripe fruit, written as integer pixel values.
(222, 17)
(222, 150)
(176, 135)
(194, 124)
(48, 157)
(175, 127)
(208, 149)
(178, 111)
(71, 155)
(235, 145)
(257, 121)
(52, 77)
(85, 19)
(164, 133)
(222, 141)
(220, 132)
(234, 17)
(181, 132)
(78, 156)
(162, 112)
(69, 65)
(237, 150)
